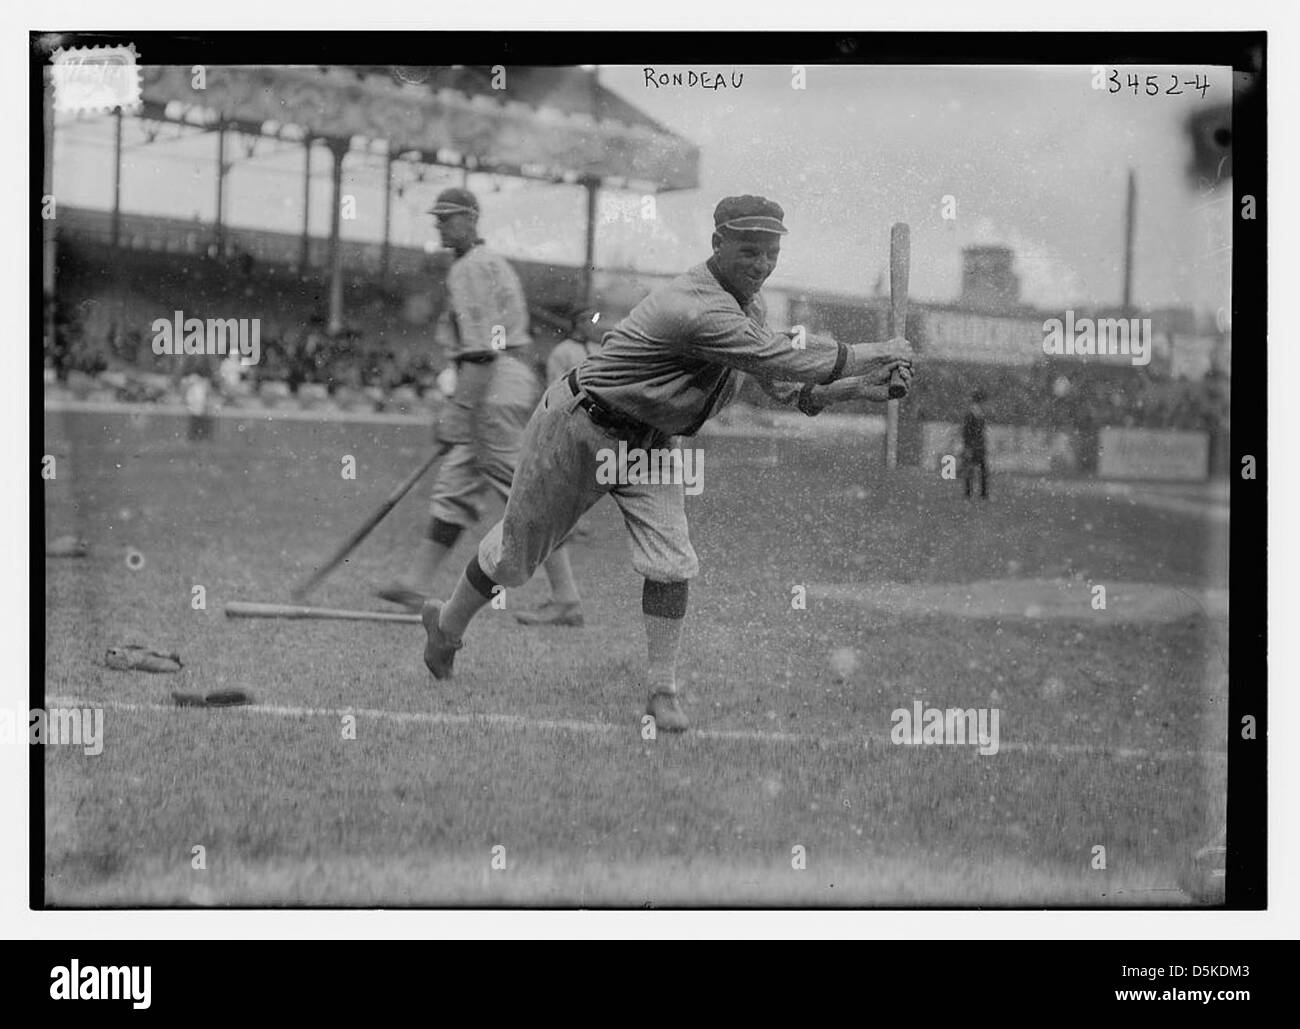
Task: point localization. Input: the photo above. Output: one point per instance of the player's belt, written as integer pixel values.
(482, 356)
(606, 417)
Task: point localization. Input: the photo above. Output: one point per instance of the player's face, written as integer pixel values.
(746, 260)
(456, 230)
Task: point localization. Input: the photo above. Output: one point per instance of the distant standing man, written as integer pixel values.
(482, 424)
(663, 371)
(581, 342)
(974, 446)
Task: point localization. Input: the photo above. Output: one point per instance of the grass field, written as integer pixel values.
(1112, 722)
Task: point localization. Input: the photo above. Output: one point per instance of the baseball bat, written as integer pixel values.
(249, 610)
(900, 259)
(350, 544)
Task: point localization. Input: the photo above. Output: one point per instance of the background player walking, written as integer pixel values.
(482, 424)
(974, 446)
(663, 371)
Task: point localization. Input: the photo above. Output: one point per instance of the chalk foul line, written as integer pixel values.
(524, 722)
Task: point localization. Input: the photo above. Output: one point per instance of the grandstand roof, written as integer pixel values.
(553, 124)
(571, 90)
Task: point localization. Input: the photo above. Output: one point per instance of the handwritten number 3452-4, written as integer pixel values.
(1152, 84)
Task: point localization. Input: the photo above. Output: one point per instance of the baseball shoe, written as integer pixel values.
(552, 613)
(667, 712)
(439, 651)
(400, 593)
(217, 698)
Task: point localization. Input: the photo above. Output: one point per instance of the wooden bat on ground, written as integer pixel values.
(900, 259)
(242, 610)
(300, 591)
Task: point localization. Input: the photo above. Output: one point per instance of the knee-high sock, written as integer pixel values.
(559, 572)
(473, 590)
(664, 607)
(434, 548)
(428, 559)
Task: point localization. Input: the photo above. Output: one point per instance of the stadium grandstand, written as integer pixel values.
(349, 322)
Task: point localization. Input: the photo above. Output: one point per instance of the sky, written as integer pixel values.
(1031, 157)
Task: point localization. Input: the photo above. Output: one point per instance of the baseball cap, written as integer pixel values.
(749, 214)
(455, 200)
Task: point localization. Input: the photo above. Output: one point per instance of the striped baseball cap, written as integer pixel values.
(749, 214)
(455, 200)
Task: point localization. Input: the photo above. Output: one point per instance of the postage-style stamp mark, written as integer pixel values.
(96, 78)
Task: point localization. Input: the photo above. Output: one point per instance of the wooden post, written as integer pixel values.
(304, 251)
(117, 177)
(589, 262)
(1130, 216)
(339, 149)
(388, 215)
(219, 227)
(49, 237)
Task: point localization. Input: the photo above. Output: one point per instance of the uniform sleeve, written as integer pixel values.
(793, 395)
(730, 338)
(486, 298)
(781, 392)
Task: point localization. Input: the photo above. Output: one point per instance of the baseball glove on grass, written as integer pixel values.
(132, 657)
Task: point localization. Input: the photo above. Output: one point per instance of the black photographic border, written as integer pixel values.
(1244, 52)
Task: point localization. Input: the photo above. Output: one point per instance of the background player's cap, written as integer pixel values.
(455, 200)
(749, 214)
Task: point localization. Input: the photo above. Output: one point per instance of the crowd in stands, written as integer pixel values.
(388, 348)
(1071, 395)
(1047, 395)
(290, 358)
(1061, 395)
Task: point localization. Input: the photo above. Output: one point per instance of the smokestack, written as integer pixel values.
(988, 278)
(1130, 214)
